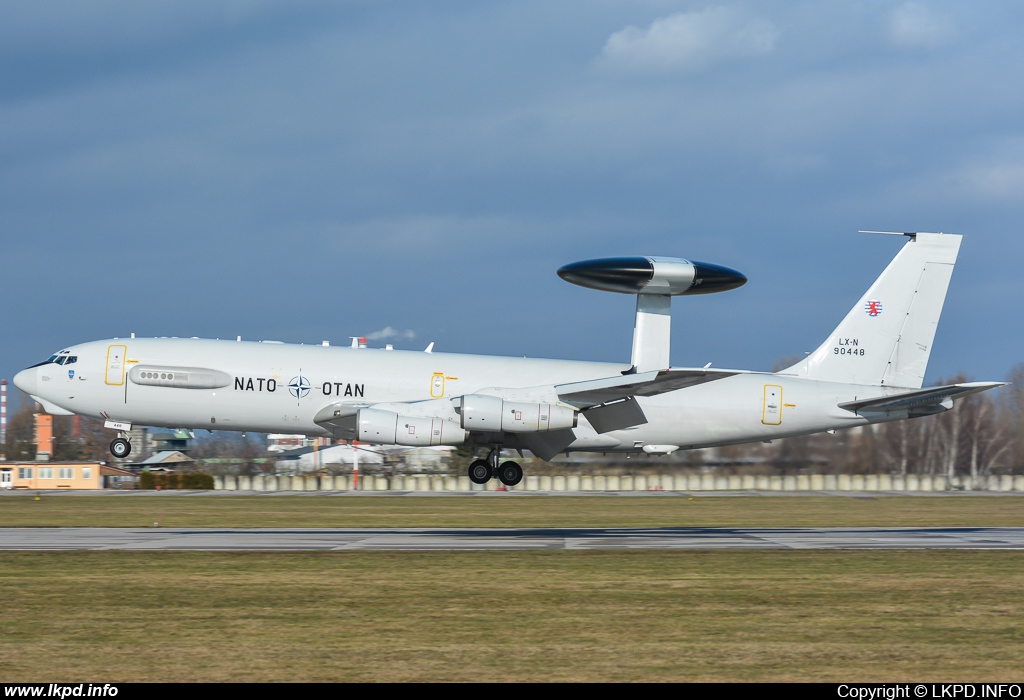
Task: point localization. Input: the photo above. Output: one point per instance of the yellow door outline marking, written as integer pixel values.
(120, 377)
(437, 385)
(773, 416)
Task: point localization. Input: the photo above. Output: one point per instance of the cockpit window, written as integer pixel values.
(72, 359)
(58, 359)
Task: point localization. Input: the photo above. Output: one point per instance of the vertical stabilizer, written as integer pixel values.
(886, 338)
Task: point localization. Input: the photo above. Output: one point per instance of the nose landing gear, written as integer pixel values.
(481, 471)
(120, 447)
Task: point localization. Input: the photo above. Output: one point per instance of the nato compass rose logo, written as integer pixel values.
(873, 308)
(298, 386)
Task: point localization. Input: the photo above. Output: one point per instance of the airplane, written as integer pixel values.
(870, 369)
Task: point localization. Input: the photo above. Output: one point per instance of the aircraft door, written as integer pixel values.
(115, 364)
(437, 385)
(771, 412)
(6, 478)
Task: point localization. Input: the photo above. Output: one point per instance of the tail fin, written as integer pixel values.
(887, 337)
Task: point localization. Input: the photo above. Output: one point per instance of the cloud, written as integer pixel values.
(1001, 182)
(389, 333)
(914, 26)
(689, 40)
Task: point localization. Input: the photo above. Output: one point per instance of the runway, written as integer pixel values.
(333, 539)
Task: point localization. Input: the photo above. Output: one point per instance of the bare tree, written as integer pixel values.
(21, 430)
(227, 452)
(1011, 417)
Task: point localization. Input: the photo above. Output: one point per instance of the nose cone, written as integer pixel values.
(709, 278)
(26, 380)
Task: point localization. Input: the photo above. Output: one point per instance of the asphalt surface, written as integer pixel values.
(513, 493)
(311, 539)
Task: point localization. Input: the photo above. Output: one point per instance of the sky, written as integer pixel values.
(417, 172)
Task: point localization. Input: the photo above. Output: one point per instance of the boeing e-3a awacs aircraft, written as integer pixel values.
(870, 369)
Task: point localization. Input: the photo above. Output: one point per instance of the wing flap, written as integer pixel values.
(547, 445)
(617, 415)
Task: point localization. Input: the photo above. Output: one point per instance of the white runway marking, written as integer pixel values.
(328, 539)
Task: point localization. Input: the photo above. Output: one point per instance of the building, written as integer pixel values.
(45, 476)
(325, 458)
(177, 440)
(278, 442)
(168, 460)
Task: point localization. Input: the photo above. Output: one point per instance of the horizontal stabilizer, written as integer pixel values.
(931, 400)
(600, 391)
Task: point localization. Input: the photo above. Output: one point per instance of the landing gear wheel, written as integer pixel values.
(510, 473)
(120, 448)
(480, 471)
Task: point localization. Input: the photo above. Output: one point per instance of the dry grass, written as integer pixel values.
(591, 615)
(478, 616)
(502, 510)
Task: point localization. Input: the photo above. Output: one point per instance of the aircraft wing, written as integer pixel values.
(610, 404)
(930, 400)
(595, 392)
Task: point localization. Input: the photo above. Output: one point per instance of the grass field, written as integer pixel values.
(545, 615)
(484, 616)
(23, 510)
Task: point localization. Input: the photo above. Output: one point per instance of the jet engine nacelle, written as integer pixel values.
(387, 428)
(494, 414)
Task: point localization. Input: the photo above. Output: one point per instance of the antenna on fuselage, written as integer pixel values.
(654, 281)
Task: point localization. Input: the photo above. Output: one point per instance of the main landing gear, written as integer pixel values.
(481, 471)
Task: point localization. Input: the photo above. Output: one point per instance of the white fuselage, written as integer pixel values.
(276, 387)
